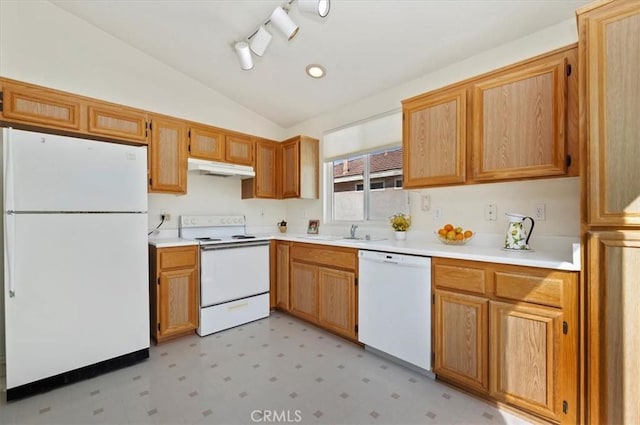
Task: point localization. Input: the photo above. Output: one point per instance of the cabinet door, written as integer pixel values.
(267, 170)
(291, 169)
(39, 106)
(178, 302)
(168, 156)
(613, 108)
(304, 291)
(337, 301)
(519, 122)
(613, 327)
(525, 355)
(206, 143)
(239, 149)
(461, 335)
(118, 122)
(282, 276)
(434, 139)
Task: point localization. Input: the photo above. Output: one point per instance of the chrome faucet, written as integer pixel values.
(353, 231)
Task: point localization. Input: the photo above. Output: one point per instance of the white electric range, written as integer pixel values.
(234, 271)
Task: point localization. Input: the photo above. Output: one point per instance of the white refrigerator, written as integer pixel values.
(76, 294)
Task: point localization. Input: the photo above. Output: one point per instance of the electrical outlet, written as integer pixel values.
(437, 213)
(540, 212)
(165, 215)
(426, 202)
(490, 212)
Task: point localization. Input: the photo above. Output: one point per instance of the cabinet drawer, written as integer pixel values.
(336, 258)
(171, 258)
(541, 289)
(463, 278)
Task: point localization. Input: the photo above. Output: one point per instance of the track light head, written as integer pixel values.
(259, 41)
(316, 7)
(284, 23)
(244, 55)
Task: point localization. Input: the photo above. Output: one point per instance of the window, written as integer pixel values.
(380, 172)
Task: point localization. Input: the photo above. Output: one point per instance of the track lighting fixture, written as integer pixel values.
(259, 40)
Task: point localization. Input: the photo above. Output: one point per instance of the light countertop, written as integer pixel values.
(559, 253)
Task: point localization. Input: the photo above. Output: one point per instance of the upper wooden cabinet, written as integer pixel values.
(266, 183)
(29, 104)
(519, 121)
(206, 143)
(168, 156)
(300, 168)
(239, 149)
(117, 122)
(434, 139)
(37, 106)
(610, 103)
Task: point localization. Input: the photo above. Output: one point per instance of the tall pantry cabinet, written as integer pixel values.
(609, 61)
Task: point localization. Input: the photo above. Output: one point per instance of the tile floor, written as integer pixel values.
(275, 370)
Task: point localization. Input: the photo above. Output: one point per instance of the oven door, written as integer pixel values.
(232, 271)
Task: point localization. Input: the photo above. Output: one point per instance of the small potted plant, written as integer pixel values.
(282, 226)
(400, 223)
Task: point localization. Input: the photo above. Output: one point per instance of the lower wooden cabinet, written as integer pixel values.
(613, 327)
(525, 351)
(282, 275)
(509, 333)
(304, 291)
(461, 338)
(337, 300)
(173, 291)
(321, 285)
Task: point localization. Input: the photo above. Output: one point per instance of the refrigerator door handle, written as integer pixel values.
(8, 171)
(9, 218)
(9, 249)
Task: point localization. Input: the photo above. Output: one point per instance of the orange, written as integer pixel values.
(459, 236)
(442, 232)
(448, 227)
(451, 235)
(468, 234)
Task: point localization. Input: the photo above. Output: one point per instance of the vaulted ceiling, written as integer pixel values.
(366, 45)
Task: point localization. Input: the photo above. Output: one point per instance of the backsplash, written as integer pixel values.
(465, 206)
(212, 195)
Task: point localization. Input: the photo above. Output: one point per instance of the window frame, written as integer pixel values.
(328, 193)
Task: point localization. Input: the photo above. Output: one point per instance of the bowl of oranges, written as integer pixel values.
(451, 235)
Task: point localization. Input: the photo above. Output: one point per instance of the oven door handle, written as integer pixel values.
(231, 245)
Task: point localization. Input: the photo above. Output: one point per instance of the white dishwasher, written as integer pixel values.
(394, 305)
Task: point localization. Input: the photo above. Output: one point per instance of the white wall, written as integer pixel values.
(463, 204)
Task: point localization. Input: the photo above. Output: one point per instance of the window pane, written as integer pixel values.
(348, 195)
(384, 193)
(385, 172)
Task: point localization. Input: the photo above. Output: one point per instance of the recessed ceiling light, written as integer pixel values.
(315, 71)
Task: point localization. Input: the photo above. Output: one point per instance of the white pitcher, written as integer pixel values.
(517, 237)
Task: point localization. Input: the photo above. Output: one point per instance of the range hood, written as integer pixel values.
(212, 168)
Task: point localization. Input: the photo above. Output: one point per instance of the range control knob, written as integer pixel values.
(193, 221)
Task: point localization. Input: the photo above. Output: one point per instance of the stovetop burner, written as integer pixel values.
(243, 237)
(208, 239)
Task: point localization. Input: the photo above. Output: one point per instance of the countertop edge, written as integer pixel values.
(541, 259)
